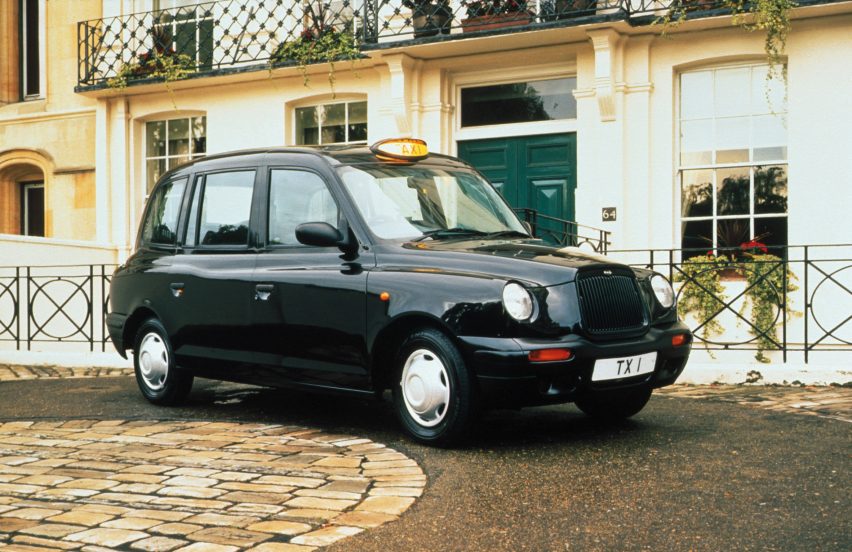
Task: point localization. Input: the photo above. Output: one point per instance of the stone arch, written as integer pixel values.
(16, 168)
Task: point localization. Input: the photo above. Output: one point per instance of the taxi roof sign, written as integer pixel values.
(401, 149)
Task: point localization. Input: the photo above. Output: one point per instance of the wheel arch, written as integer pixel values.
(387, 341)
(134, 321)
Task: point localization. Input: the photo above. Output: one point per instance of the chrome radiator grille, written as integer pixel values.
(610, 302)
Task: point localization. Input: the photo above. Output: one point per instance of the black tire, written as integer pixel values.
(165, 388)
(614, 405)
(424, 352)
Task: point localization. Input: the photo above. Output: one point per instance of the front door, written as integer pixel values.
(535, 172)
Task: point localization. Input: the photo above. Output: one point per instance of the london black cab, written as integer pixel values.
(357, 270)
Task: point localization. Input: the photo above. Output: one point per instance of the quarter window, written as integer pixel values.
(296, 197)
(225, 209)
(172, 142)
(733, 158)
(162, 219)
(335, 123)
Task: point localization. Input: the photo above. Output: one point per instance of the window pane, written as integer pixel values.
(226, 208)
(696, 93)
(358, 122)
(178, 132)
(154, 169)
(519, 102)
(698, 235)
(767, 96)
(697, 194)
(161, 223)
(333, 119)
(770, 189)
(192, 220)
(732, 140)
(199, 135)
(307, 126)
(772, 232)
(296, 197)
(696, 143)
(732, 90)
(730, 233)
(770, 137)
(732, 195)
(155, 138)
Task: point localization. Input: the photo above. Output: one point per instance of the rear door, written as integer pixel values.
(308, 314)
(211, 275)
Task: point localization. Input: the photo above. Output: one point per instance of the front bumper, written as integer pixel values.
(506, 376)
(115, 326)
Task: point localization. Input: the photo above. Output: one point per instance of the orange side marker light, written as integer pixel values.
(549, 355)
(384, 296)
(678, 340)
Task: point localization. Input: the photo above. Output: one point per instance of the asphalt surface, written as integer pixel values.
(684, 474)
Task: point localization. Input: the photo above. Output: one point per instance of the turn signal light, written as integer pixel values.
(549, 355)
(678, 340)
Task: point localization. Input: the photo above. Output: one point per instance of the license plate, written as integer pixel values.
(625, 367)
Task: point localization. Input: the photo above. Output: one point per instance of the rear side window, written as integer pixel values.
(221, 208)
(296, 197)
(161, 222)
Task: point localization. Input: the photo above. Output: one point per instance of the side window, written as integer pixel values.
(225, 209)
(162, 219)
(296, 197)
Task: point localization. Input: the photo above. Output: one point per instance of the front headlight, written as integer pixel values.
(517, 301)
(663, 290)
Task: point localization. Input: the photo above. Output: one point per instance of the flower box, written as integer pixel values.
(495, 21)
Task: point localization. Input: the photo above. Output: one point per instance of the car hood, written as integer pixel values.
(526, 260)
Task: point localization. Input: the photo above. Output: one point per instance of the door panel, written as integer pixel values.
(534, 172)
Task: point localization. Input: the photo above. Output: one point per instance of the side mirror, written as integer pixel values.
(319, 234)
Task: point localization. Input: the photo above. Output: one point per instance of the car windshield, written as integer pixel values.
(410, 202)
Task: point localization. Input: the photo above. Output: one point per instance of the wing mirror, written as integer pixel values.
(319, 234)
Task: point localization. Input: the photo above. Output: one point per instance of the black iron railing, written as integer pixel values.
(564, 233)
(55, 304)
(233, 35)
(795, 299)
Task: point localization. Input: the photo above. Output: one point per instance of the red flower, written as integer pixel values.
(754, 244)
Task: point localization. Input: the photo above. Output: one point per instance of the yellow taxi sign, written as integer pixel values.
(401, 149)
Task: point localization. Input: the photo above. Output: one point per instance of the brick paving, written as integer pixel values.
(193, 486)
(826, 402)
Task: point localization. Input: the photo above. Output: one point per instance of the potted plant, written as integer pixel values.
(483, 15)
(566, 9)
(429, 17)
(159, 61)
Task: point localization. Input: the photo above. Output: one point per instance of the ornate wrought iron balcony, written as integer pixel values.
(237, 35)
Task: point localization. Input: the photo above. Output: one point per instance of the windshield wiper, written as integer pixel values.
(508, 234)
(447, 232)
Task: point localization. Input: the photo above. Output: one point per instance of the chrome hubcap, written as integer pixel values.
(153, 361)
(425, 387)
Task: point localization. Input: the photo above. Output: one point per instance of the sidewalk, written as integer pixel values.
(826, 402)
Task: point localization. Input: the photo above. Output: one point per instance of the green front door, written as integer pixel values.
(536, 172)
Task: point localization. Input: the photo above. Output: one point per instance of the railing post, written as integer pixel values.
(784, 303)
(29, 308)
(92, 308)
(807, 303)
(18, 308)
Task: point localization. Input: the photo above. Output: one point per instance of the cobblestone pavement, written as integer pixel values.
(193, 486)
(826, 402)
(12, 372)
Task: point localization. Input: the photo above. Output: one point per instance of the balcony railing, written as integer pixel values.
(232, 35)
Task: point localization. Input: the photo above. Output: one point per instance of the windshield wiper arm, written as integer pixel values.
(445, 232)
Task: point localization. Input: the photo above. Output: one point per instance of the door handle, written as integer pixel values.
(177, 288)
(263, 291)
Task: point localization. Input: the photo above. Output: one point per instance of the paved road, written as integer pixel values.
(685, 474)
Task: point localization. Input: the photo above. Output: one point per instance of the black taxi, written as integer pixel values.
(361, 269)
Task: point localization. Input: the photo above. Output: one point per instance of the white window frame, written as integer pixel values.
(347, 101)
(168, 158)
(42, 57)
(713, 166)
(25, 204)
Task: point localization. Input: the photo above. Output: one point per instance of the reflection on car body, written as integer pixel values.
(356, 270)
